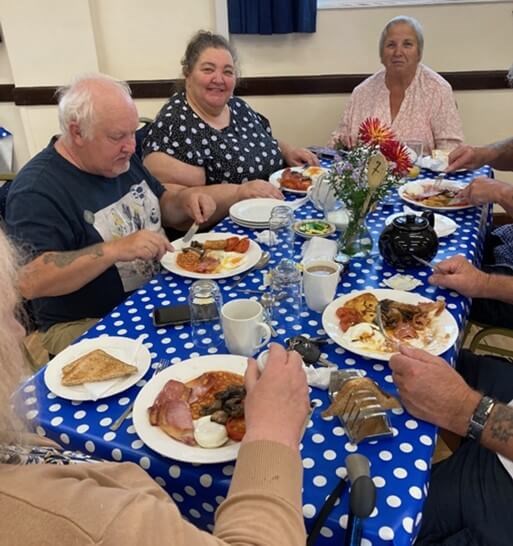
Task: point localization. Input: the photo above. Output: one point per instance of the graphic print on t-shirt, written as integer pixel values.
(138, 209)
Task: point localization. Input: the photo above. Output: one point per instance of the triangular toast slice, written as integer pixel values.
(95, 366)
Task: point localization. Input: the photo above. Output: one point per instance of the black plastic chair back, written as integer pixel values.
(140, 135)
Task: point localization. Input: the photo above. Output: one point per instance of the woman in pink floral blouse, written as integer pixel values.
(416, 102)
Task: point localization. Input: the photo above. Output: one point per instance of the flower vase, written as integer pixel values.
(355, 241)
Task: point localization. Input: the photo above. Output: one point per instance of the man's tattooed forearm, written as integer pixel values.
(501, 424)
(64, 259)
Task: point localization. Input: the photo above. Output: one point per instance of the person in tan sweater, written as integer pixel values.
(118, 503)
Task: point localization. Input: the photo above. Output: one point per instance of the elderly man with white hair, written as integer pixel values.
(89, 214)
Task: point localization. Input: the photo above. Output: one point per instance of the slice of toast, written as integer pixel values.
(95, 366)
(366, 387)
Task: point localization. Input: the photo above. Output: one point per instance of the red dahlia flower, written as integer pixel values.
(397, 153)
(373, 132)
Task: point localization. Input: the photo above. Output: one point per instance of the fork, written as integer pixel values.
(162, 364)
(379, 324)
(438, 181)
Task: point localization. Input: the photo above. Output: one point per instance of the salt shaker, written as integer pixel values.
(287, 296)
(281, 225)
(205, 302)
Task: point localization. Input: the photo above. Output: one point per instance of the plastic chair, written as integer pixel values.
(140, 134)
(492, 340)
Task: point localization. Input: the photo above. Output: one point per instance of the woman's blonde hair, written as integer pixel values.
(12, 366)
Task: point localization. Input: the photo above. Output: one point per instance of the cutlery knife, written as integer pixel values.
(191, 232)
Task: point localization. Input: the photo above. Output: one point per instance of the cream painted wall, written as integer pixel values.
(48, 41)
(457, 37)
(5, 66)
(146, 40)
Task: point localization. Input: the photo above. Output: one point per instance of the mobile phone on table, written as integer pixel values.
(172, 315)
(322, 152)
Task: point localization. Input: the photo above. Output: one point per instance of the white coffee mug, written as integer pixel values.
(320, 280)
(245, 330)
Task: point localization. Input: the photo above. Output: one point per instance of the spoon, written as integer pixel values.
(267, 301)
(262, 262)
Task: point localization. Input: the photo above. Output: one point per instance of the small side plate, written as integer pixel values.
(314, 228)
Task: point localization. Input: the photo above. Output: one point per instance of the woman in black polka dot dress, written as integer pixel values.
(205, 136)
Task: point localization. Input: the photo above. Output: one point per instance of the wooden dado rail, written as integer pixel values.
(267, 85)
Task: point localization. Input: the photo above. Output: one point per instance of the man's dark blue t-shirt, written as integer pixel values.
(54, 206)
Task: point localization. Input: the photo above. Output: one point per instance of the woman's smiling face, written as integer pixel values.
(212, 79)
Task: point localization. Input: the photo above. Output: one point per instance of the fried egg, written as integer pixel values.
(366, 336)
(228, 260)
(209, 434)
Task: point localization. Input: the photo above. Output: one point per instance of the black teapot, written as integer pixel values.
(407, 236)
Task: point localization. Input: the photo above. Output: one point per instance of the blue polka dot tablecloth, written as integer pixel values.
(400, 465)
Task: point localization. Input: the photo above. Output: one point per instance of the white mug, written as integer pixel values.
(245, 330)
(320, 280)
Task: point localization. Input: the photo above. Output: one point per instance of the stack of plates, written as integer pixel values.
(254, 213)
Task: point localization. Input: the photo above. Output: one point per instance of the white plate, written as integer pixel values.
(275, 178)
(254, 211)
(258, 225)
(250, 258)
(445, 323)
(443, 224)
(123, 348)
(184, 371)
(419, 185)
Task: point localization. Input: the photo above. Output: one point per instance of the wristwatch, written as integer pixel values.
(479, 418)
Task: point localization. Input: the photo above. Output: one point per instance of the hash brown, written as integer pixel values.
(365, 304)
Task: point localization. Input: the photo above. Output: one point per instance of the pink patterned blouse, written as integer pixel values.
(428, 111)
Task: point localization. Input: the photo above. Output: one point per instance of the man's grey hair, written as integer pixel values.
(411, 22)
(76, 102)
(509, 76)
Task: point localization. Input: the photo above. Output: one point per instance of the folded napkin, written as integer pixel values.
(318, 248)
(297, 202)
(433, 164)
(316, 377)
(265, 237)
(100, 389)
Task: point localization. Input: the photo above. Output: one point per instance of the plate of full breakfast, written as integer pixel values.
(351, 321)
(428, 194)
(296, 179)
(193, 411)
(97, 368)
(212, 256)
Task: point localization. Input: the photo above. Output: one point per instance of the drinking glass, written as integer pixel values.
(281, 225)
(417, 147)
(287, 297)
(205, 303)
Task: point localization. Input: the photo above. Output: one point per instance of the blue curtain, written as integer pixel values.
(271, 16)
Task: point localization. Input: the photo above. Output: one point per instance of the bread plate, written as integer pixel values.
(128, 350)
